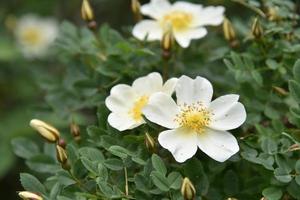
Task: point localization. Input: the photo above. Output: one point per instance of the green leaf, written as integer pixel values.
(55, 191)
(114, 164)
(32, 184)
(119, 151)
(175, 180)
(269, 146)
(158, 164)
(282, 175)
(257, 77)
(297, 169)
(296, 70)
(160, 181)
(24, 148)
(294, 88)
(91, 166)
(91, 153)
(272, 193)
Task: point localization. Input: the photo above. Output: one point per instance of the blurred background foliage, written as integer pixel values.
(64, 86)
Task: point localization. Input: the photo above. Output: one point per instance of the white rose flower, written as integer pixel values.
(186, 19)
(126, 102)
(195, 121)
(35, 35)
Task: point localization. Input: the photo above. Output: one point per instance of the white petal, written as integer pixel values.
(123, 121)
(184, 38)
(147, 29)
(187, 6)
(181, 143)
(156, 8)
(149, 84)
(193, 90)
(219, 145)
(229, 119)
(169, 86)
(211, 16)
(121, 99)
(223, 104)
(162, 109)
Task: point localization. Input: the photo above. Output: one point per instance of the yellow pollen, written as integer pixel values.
(31, 36)
(136, 111)
(195, 117)
(179, 20)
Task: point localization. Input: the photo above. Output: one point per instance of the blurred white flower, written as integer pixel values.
(187, 20)
(195, 121)
(35, 35)
(126, 102)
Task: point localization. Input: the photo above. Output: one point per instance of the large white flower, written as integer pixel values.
(35, 35)
(195, 121)
(186, 19)
(126, 102)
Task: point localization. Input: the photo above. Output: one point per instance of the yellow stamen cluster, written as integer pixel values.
(179, 20)
(195, 117)
(31, 36)
(136, 111)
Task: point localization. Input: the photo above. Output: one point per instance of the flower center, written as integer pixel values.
(136, 111)
(194, 117)
(31, 36)
(179, 20)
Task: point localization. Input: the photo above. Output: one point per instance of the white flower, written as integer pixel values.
(126, 102)
(187, 20)
(195, 121)
(35, 35)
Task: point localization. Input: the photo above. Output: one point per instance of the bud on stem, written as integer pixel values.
(75, 131)
(25, 195)
(150, 143)
(136, 10)
(229, 33)
(167, 42)
(256, 29)
(87, 14)
(62, 157)
(188, 190)
(47, 131)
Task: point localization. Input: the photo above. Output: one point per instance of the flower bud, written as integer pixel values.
(272, 14)
(231, 198)
(168, 38)
(150, 143)
(228, 30)
(75, 131)
(61, 154)
(47, 131)
(188, 190)
(87, 12)
(25, 195)
(256, 29)
(136, 9)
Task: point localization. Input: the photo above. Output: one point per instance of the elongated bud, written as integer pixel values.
(294, 147)
(25, 195)
(167, 42)
(188, 190)
(280, 91)
(87, 12)
(136, 10)
(150, 143)
(47, 131)
(75, 131)
(228, 30)
(231, 198)
(256, 29)
(61, 154)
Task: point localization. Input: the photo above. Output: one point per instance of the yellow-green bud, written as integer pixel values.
(61, 154)
(47, 131)
(228, 30)
(256, 29)
(25, 195)
(87, 12)
(188, 190)
(136, 9)
(230, 198)
(75, 130)
(150, 143)
(168, 38)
